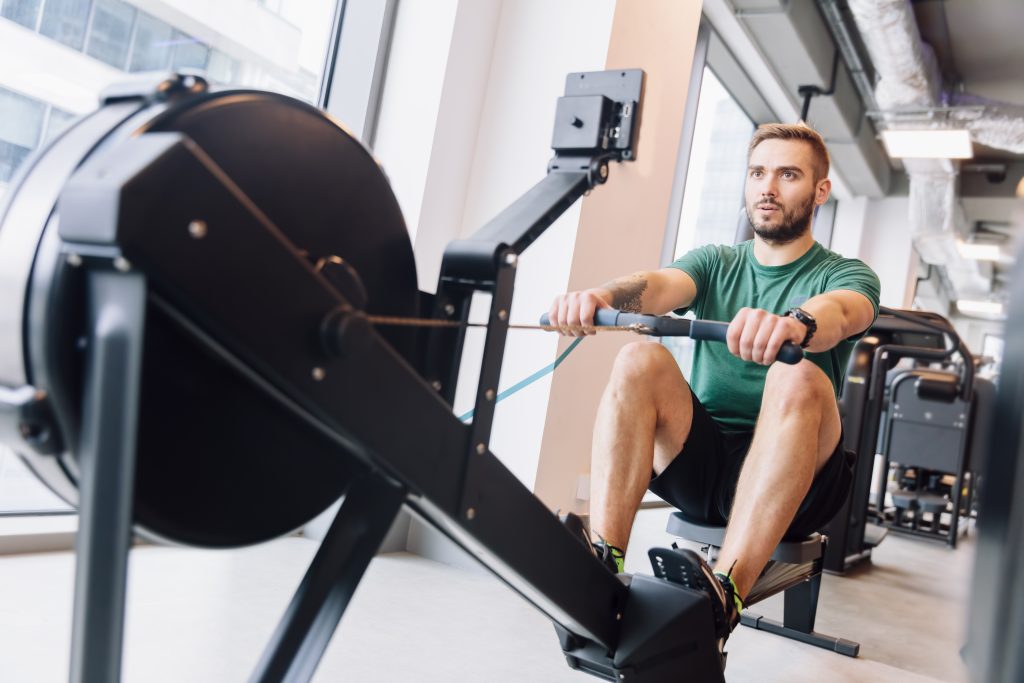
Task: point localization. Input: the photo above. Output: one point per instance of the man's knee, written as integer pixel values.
(800, 387)
(642, 362)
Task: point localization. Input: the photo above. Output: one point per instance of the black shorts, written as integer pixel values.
(701, 481)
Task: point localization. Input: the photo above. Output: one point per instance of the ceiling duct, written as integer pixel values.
(997, 124)
(794, 39)
(909, 80)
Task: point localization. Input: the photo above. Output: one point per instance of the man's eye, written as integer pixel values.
(787, 175)
(755, 174)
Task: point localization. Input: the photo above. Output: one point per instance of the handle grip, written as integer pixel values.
(711, 330)
(664, 326)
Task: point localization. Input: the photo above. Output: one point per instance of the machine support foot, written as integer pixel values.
(367, 511)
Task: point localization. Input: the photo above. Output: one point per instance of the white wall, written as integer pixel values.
(411, 100)
(886, 246)
(877, 231)
(848, 228)
(465, 128)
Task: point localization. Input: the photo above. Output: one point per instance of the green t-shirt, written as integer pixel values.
(730, 278)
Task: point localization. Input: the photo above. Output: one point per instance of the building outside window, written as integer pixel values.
(24, 12)
(65, 21)
(58, 55)
(111, 32)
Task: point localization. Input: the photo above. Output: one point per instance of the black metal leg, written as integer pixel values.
(106, 457)
(800, 605)
(366, 514)
(799, 612)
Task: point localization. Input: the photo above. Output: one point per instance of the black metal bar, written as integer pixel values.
(305, 630)
(106, 457)
(445, 344)
(809, 92)
(840, 645)
(475, 260)
(475, 263)
(494, 351)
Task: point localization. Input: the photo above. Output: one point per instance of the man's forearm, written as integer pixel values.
(627, 293)
(839, 316)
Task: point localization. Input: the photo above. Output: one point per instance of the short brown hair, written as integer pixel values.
(794, 131)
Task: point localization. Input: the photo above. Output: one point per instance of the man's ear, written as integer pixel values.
(822, 192)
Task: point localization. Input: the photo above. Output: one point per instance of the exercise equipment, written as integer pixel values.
(854, 532)
(189, 284)
(931, 433)
(794, 569)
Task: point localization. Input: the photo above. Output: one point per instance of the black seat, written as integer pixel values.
(791, 552)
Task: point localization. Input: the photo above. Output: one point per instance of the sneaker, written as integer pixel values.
(604, 552)
(609, 555)
(689, 569)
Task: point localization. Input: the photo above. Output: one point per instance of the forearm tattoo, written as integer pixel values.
(627, 292)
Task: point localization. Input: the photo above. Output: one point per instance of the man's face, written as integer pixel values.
(781, 192)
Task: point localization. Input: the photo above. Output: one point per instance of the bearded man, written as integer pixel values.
(747, 442)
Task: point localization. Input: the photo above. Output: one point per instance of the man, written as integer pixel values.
(699, 448)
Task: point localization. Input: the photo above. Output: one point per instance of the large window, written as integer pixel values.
(713, 196)
(58, 55)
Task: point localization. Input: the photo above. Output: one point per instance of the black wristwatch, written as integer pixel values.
(808, 320)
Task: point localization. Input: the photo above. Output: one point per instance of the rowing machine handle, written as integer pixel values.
(711, 330)
(664, 326)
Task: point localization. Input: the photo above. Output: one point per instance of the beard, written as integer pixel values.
(795, 223)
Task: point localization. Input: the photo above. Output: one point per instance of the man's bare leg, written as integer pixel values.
(642, 423)
(797, 430)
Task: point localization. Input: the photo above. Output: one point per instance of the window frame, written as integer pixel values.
(352, 81)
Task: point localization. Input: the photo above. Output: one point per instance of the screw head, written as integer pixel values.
(511, 259)
(470, 513)
(449, 309)
(122, 264)
(502, 314)
(319, 374)
(489, 394)
(436, 384)
(197, 229)
(481, 448)
(74, 260)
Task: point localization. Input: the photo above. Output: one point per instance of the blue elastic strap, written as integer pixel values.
(531, 379)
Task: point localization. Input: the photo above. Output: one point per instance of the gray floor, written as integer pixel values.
(203, 616)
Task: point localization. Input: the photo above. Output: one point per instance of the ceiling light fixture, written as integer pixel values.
(970, 306)
(979, 251)
(928, 144)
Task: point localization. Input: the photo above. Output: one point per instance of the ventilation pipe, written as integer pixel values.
(909, 78)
